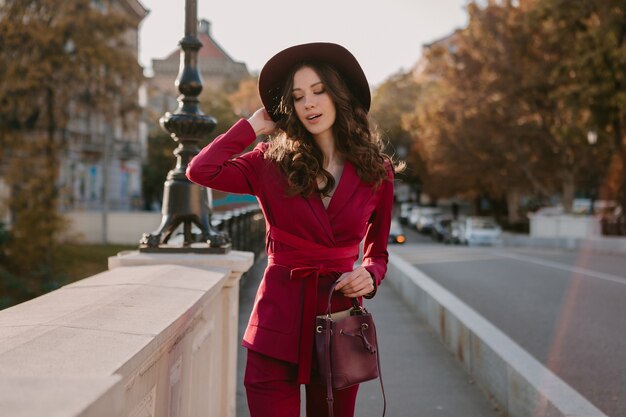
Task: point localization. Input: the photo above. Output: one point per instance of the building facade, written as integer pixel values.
(102, 163)
(218, 69)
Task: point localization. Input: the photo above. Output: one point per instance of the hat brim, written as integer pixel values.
(275, 71)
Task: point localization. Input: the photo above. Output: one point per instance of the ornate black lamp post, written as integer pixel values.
(185, 203)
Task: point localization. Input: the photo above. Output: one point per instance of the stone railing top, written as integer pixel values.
(236, 261)
(68, 348)
(89, 327)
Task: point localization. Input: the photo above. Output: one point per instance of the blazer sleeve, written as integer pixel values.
(215, 166)
(375, 255)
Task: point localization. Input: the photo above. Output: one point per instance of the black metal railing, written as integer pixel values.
(245, 226)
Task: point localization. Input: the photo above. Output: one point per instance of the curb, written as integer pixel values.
(519, 383)
(615, 245)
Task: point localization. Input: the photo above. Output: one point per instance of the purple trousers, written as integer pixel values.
(272, 390)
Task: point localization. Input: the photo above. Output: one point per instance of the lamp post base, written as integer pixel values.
(193, 248)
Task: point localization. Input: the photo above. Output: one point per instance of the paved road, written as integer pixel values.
(567, 309)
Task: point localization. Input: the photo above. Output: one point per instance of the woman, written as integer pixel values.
(324, 185)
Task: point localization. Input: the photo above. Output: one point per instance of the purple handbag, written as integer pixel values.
(347, 349)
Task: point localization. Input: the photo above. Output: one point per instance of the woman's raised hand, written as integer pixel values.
(261, 122)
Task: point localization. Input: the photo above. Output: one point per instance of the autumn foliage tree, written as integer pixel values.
(245, 100)
(478, 132)
(391, 101)
(509, 100)
(590, 38)
(57, 58)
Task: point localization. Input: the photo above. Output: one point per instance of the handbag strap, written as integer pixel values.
(355, 303)
(329, 377)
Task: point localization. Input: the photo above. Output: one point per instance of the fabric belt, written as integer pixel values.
(307, 263)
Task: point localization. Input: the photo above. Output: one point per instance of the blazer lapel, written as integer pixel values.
(346, 187)
(348, 184)
(315, 202)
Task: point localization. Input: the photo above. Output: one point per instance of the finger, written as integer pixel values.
(364, 287)
(356, 281)
(356, 289)
(356, 294)
(258, 112)
(343, 280)
(354, 285)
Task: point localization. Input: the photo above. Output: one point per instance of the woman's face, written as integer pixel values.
(312, 103)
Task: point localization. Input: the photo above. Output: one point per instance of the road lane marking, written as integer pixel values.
(565, 267)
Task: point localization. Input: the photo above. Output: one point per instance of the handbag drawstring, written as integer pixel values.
(370, 348)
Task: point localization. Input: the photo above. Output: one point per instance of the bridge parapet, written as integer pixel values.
(152, 339)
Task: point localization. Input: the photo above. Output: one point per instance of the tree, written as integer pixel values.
(245, 100)
(58, 58)
(590, 38)
(474, 132)
(499, 120)
(391, 102)
(159, 160)
(216, 103)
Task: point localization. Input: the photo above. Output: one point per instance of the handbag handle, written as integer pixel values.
(355, 303)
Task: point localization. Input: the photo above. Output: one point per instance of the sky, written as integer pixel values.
(386, 36)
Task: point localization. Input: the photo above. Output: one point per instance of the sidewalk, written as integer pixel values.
(421, 378)
(599, 244)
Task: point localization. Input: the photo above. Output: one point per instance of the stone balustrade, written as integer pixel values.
(156, 335)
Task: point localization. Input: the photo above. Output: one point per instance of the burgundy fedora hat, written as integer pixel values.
(275, 71)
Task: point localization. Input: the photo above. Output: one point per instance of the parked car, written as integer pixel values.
(426, 218)
(405, 212)
(454, 232)
(481, 231)
(440, 224)
(414, 215)
(396, 235)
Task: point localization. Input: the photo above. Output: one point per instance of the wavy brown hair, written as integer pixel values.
(299, 157)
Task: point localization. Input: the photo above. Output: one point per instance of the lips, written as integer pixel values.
(314, 117)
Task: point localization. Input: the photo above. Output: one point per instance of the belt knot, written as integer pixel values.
(306, 271)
